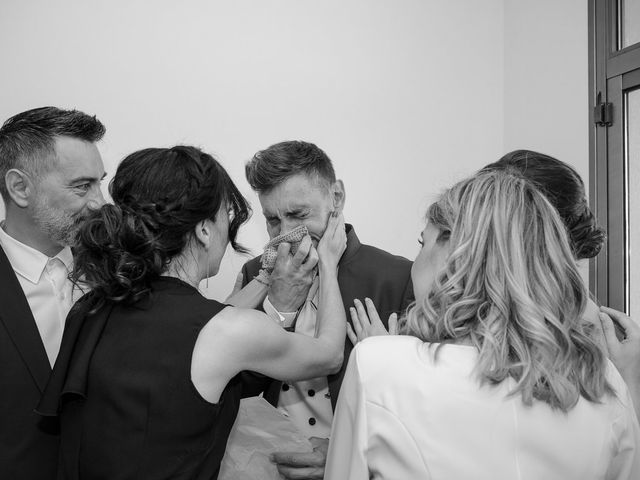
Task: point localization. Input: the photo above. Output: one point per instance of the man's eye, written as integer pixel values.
(421, 242)
(83, 187)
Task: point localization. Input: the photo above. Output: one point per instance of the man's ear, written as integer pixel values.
(19, 186)
(203, 233)
(338, 195)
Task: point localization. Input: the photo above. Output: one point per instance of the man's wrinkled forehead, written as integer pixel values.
(296, 193)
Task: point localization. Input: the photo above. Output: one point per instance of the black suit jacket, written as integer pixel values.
(28, 443)
(363, 271)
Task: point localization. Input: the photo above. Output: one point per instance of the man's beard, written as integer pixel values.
(60, 226)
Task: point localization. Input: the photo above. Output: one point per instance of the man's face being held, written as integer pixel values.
(301, 200)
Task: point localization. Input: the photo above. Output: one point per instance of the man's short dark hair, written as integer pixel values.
(27, 140)
(275, 164)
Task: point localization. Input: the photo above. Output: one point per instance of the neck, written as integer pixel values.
(185, 269)
(29, 234)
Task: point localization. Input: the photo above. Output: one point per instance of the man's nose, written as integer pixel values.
(96, 200)
(287, 225)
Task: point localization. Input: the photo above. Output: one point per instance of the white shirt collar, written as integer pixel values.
(27, 261)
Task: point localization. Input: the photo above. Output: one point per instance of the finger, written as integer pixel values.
(362, 314)
(597, 333)
(332, 224)
(335, 225)
(296, 473)
(356, 323)
(372, 312)
(342, 230)
(609, 333)
(351, 334)
(312, 259)
(340, 223)
(284, 250)
(627, 322)
(393, 324)
(318, 441)
(303, 251)
(296, 459)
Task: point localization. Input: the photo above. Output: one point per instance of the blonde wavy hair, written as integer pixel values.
(511, 287)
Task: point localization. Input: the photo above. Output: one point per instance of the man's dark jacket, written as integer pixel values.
(28, 443)
(363, 271)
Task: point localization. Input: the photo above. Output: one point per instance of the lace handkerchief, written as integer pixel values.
(294, 237)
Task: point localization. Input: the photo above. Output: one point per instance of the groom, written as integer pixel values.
(296, 185)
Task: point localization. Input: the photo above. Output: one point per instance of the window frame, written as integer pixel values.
(611, 73)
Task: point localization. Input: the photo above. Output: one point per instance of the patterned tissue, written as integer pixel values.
(294, 237)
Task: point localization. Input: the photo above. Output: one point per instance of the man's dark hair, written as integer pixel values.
(275, 164)
(27, 140)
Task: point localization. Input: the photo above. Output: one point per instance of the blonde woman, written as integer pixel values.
(495, 377)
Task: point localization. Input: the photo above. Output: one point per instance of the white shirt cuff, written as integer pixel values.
(284, 319)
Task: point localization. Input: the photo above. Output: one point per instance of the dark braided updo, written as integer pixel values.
(564, 188)
(159, 195)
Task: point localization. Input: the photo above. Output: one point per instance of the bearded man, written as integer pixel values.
(50, 174)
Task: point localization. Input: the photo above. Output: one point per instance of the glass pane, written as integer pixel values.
(632, 163)
(629, 22)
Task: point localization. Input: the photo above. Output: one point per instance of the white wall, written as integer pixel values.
(405, 96)
(546, 81)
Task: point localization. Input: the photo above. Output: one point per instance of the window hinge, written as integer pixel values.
(602, 112)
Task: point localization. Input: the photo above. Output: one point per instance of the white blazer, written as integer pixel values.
(401, 415)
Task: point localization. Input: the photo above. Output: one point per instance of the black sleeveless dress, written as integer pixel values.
(122, 388)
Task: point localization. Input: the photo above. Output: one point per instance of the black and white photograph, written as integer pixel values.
(307, 240)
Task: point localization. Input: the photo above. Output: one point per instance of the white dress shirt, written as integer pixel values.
(307, 403)
(402, 415)
(46, 286)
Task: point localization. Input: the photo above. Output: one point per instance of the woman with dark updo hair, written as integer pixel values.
(564, 188)
(148, 380)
